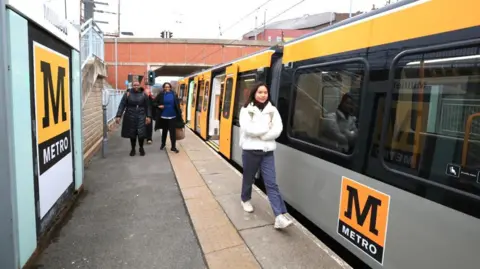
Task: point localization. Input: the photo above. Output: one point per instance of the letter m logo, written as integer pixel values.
(369, 209)
(53, 96)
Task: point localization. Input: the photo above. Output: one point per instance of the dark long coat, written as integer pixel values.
(159, 122)
(137, 108)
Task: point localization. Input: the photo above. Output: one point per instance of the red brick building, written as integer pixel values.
(293, 28)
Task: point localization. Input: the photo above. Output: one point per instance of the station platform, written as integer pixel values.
(169, 210)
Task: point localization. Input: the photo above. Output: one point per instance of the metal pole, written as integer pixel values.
(65, 4)
(118, 16)
(351, 2)
(105, 131)
(116, 49)
(264, 23)
(255, 31)
(116, 65)
(90, 39)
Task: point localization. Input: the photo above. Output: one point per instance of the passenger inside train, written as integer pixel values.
(340, 130)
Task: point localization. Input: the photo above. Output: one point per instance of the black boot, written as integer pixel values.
(132, 152)
(142, 152)
(162, 147)
(175, 150)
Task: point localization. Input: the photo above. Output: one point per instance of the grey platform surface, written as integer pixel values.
(132, 216)
(292, 248)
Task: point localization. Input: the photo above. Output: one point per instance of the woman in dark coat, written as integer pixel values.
(137, 110)
(169, 115)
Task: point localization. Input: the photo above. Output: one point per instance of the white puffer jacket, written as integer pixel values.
(259, 129)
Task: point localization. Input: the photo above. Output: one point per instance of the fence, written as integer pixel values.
(454, 115)
(91, 43)
(112, 98)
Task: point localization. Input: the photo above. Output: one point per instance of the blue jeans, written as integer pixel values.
(252, 160)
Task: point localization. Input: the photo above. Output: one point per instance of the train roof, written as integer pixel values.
(399, 22)
(374, 28)
(352, 20)
(273, 48)
(299, 39)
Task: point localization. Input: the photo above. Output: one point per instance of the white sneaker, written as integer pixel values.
(247, 206)
(282, 222)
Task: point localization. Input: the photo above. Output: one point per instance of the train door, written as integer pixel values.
(204, 112)
(226, 120)
(214, 112)
(198, 107)
(183, 98)
(194, 103)
(191, 86)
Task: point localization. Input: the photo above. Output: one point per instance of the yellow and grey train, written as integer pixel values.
(406, 192)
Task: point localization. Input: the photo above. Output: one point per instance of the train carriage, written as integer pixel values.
(406, 192)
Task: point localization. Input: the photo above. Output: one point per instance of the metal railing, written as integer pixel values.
(111, 100)
(91, 43)
(454, 114)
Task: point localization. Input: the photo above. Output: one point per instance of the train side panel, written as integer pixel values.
(412, 202)
(406, 209)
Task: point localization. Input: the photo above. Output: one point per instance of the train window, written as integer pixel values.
(326, 106)
(434, 126)
(228, 98)
(194, 95)
(182, 89)
(205, 99)
(182, 93)
(200, 96)
(244, 85)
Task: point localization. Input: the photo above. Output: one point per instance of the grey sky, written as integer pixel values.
(201, 19)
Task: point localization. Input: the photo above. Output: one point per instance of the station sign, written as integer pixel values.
(51, 71)
(363, 218)
(45, 14)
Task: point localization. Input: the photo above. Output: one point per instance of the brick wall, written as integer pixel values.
(92, 116)
(142, 54)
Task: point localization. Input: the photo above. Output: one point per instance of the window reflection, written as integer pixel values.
(434, 121)
(327, 105)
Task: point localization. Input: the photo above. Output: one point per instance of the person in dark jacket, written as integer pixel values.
(169, 115)
(137, 110)
(339, 128)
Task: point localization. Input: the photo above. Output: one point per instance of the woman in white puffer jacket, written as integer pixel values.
(260, 125)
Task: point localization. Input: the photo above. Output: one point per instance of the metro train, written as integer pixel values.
(406, 193)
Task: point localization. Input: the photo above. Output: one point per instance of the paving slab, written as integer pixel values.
(229, 235)
(220, 241)
(220, 184)
(289, 249)
(242, 220)
(238, 257)
(132, 216)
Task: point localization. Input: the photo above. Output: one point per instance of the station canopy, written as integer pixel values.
(178, 70)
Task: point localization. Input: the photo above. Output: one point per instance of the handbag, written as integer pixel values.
(180, 133)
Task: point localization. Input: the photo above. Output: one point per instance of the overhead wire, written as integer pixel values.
(246, 16)
(237, 22)
(283, 12)
(233, 41)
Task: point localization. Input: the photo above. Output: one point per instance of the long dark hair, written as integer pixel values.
(253, 91)
(165, 84)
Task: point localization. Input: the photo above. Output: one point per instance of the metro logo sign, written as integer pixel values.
(52, 95)
(363, 217)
